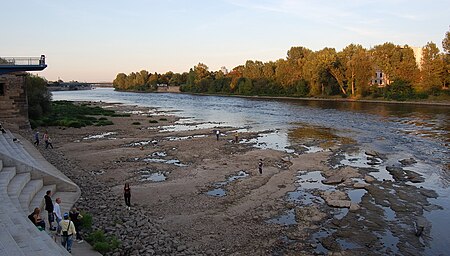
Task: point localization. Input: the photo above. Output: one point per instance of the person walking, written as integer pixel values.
(49, 208)
(57, 212)
(67, 232)
(127, 195)
(36, 138)
(260, 165)
(236, 137)
(75, 217)
(47, 140)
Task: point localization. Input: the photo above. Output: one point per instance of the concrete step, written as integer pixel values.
(6, 175)
(28, 192)
(8, 245)
(16, 185)
(38, 199)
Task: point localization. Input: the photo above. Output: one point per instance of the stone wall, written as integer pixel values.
(13, 100)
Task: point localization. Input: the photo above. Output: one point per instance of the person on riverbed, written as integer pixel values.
(47, 140)
(127, 195)
(260, 165)
(217, 134)
(36, 138)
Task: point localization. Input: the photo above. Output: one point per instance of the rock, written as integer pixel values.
(359, 185)
(397, 173)
(336, 179)
(354, 207)
(369, 179)
(408, 162)
(181, 248)
(339, 203)
(372, 153)
(428, 193)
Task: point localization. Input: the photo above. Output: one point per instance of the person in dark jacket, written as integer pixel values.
(75, 217)
(49, 209)
(127, 195)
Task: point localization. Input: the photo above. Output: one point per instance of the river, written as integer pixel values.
(399, 131)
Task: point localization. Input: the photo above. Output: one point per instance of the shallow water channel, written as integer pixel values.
(397, 131)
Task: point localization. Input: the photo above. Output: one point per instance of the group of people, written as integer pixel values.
(45, 137)
(67, 224)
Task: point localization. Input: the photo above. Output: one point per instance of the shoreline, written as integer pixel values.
(408, 102)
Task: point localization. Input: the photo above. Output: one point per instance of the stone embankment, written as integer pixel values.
(138, 233)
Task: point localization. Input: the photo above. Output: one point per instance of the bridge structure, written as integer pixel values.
(20, 64)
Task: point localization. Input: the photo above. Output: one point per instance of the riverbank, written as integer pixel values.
(193, 194)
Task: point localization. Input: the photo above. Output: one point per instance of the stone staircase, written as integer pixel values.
(25, 176)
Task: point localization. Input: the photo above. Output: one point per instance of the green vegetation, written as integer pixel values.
(101, 242)
(153, 121)
(39, 98)
(86, 221)
(353, 72)
(136, 123)
(163, 119)
(68, 114)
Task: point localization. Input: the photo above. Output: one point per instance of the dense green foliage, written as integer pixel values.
(38, 96)
(101, 242)
(323, 73)
(67, 114)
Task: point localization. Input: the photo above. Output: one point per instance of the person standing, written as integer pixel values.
(49, 208)
(47, 140)
(67, 232)
(76, 217)
(260, 166)
(57, 212)
(36, 138)
(217, 134)
(127, 195)
(236, 137)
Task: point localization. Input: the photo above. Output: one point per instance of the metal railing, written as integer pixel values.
(22, 61)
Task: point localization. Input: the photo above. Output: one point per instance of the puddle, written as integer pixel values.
(100, 136)
(389, 214)
(313, 149)
(346, 245)
(155, 177)
(341, 213)
(186, 137)
(159, 154)
(317, 237)
(141, 143)
(175, 162)
(389, 242)
(312, 180)
(187, 127)
(356, 195)
(361, 160)
(219, 192)
(286, 219)
(274, 140)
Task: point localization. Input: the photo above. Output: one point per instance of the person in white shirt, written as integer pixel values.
(57, 212)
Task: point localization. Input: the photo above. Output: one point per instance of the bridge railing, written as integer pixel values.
(22, 61)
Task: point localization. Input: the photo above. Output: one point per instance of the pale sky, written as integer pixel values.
(93, 40)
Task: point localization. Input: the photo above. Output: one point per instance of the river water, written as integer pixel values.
(399, 131)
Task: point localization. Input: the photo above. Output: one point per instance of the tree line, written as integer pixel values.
(322, 73)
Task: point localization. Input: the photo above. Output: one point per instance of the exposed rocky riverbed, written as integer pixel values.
(194, 195)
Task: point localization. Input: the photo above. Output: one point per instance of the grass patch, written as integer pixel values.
(120, 115)
(68, 114)
(136, 123)
(163, 119)
(153, 121)
(86, 221)
(101, 242)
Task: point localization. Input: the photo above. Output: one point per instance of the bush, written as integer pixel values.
(136, 123)
(163, 119)
(101, 242)
(102, 118)
(104, 123)
(153, 121)
(399, 90)
(86, 221)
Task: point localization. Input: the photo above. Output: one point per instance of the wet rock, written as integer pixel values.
(339, 203)
(372, 153)
(428, 193)
(408, 161)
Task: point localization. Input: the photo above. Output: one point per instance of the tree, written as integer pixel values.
(446, 46)
(38, 96)
(358, 68)
(432, 73)
(119, 82)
